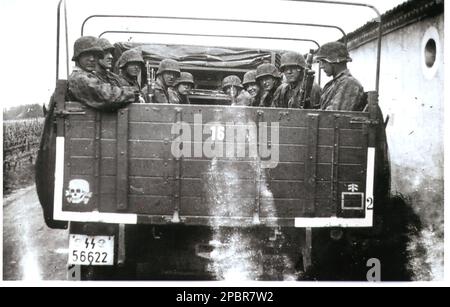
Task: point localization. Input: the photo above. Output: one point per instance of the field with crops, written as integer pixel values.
(20, 145)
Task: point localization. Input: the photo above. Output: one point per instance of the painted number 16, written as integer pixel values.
(218, 133)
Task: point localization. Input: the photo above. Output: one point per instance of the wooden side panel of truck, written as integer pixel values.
(324, 175)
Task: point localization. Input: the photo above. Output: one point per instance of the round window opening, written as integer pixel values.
(430, 53)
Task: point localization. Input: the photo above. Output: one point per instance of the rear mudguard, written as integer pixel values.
(45, 164)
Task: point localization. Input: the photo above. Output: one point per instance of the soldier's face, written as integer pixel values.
(253, 89)
(107, 60)
(232, 91)
(292, 73)
(169, 77)
(88, 61)
(133, 69)
(184, 88)
(267, 83)
(327, 68)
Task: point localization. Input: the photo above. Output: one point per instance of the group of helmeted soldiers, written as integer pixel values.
(94, 83)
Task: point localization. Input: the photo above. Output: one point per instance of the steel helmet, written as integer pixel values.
(86, 44)
(105, 45)
(267, 70)
(168, 65)
(132, 55)
(334, 52)
(249, 77)
(185, 77)
(232, 81)
(292, 59)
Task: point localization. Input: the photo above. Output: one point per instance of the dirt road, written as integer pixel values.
(31, 251)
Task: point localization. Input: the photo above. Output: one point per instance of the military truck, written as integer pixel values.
(156, 191)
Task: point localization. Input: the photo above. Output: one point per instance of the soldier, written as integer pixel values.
(293, 67)
(344, 92)
(252, 88)
(131, 64)
(232, 86)
(168, 72)
(104, 68)
(182, 86)
(269, 79)
(86, 87)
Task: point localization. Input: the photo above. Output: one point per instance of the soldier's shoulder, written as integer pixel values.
(350, 80)
(111, 74)
(158, 86)
(121, 80)
(174, 97)
(282, 88)
(77, 73)
(81, 75)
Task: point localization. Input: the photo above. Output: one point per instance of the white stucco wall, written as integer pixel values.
(413, 96)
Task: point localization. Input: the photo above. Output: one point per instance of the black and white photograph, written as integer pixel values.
(284, 141)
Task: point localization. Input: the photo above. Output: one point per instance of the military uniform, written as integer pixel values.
(131, 56)
(288, 97)
(86, 86)
(344, 92)
(176, 98)
(131, 82)
(89, 89)
(242, 98)
(161, 91)
(110, 77)
(247, 99)
(268, 98)
(104, 73)
(253, 101)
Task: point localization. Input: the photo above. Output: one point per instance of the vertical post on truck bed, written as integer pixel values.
(60, 97)
(121, 254)
(176, 200)
(122, 160)
(258, 179)
(307, 250)
(373, 116)
(311, 163)
(58, 30)
(97, 156)
(373, 109)
(58, 34)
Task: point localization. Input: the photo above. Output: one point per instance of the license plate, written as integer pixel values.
(91, 250)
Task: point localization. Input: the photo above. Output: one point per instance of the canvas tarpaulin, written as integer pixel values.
(199, 56)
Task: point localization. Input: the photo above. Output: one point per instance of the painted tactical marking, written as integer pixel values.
(353, 188)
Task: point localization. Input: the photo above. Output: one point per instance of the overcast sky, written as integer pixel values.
(29, 31)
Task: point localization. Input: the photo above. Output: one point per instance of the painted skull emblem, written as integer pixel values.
(78, 192)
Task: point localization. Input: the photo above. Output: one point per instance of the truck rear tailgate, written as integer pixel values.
(124, 167)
